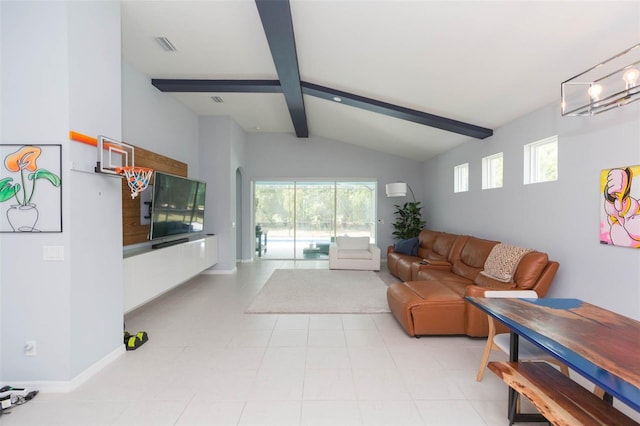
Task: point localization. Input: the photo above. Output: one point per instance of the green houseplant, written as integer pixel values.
(409, 221)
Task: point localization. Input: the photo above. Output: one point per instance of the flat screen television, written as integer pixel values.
(177, 208)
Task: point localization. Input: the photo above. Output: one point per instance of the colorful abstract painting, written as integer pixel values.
(30, 188)
(620, 206)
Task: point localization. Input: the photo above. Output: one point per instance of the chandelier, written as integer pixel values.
(610, 84)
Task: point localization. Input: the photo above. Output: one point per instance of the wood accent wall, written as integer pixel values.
(132, 231)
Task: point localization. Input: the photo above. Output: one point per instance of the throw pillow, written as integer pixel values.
(408, 246)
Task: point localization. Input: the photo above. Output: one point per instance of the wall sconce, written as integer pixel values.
(610, 84)
(399, 189)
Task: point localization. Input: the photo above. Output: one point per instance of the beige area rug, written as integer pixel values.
(321, 291)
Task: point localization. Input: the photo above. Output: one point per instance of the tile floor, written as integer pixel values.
(208, 363)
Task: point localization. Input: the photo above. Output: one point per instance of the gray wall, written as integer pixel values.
(156, 121)
(285, 156)
(221, 152)
(95, 107)
(560, 218)
(50, 85)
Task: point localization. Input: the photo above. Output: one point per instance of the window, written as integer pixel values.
(541, 161)
(461, 178)
(492, 171)
(298, 219)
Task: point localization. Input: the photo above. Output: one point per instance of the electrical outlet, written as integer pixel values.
(30, 348)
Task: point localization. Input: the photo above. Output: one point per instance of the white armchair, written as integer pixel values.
(354, 253)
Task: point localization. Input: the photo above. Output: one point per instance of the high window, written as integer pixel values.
(461, 178)
(541, 161)
(492, 171)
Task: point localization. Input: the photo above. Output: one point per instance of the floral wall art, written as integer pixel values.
(620, 206)
(30, 188)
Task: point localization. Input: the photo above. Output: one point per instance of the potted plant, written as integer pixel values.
(409, 221)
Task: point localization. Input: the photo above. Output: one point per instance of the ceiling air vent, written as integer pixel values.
(217, 99)
(166, 44)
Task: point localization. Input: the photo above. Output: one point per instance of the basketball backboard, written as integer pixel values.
(112, 155)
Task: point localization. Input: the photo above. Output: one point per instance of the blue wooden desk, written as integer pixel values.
(601, 345)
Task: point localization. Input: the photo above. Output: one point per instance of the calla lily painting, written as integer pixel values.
(30, 188)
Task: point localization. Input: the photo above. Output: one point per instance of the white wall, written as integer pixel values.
(50, 85)
(34, 110)
(285, 156)
(156, 121)
(213, 147)
(560, 218)
(221, 152)
(241, 195)
(95, 107)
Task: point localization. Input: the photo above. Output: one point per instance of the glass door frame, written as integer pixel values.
(334, 183)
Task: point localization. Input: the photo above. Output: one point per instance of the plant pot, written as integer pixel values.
(23, 218)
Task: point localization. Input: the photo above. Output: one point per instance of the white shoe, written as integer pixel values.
(10, 396)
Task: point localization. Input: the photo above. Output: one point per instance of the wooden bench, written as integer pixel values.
(558, 398)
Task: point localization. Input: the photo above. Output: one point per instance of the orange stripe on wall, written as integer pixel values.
(79, 137)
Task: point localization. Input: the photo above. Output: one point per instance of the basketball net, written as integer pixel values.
(137, 178)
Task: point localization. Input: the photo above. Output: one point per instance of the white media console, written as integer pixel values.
(150, 273)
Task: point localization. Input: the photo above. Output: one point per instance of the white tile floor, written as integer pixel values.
(208, 363)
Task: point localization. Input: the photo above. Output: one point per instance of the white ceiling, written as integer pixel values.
(481, 62)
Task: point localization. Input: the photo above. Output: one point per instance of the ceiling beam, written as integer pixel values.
(396, 111)
(273, 86)
(278, 27)
(222, 86)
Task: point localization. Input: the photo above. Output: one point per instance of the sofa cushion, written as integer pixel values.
(487, 282)
(472, 257)
(352, 243)
(408, 246)
(443, 244)
(354, 254)
(529, 269)
(403, 266)
(427, 238)
(432, 290)
(441, 275)
(459, 286)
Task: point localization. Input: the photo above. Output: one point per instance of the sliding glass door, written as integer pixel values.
(315, 219)
(356, 209)
(274, 219)
(299, 219)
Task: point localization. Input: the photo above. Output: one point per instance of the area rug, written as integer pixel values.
(321, 291)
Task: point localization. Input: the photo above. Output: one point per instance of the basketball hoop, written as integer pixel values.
(137, 178)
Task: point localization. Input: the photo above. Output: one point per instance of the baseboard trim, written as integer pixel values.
(219, 271)
(61, 386)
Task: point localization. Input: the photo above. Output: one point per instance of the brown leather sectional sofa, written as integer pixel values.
(430, 298)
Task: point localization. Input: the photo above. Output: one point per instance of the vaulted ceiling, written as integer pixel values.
(410, 78)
